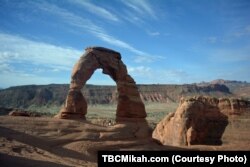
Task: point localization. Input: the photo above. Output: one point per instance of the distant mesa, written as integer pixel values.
(54, 94)
(198, 120)
(130, 105)
(223, 82)
(233, 106)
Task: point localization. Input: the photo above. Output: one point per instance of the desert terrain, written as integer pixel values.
(45, 141)
(41, 140)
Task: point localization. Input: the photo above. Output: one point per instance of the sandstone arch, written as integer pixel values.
(129, 104)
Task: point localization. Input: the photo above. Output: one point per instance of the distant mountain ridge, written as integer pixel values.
(224, 82)
(237, 88)
(55, 94)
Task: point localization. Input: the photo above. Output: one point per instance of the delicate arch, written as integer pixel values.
(129, 104)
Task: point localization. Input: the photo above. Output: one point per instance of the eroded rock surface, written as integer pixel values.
(233, 106)
(129, 104)
(19, 112)
(197, 120)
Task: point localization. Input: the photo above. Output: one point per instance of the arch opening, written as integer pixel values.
(98, 78)
(101, 95)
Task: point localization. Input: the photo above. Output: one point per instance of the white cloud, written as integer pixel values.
(140, 70)
(142, 7)
(14, 79)
(174, 73)
(16, 49)
(39, 58)
(44, 58)
(4, 67)
(147, 58)
(117, 42)
(97, 10)
(132, 18)
(172, 76)
(68, 17)
(150, 75)
(99, 32)
(155, 33)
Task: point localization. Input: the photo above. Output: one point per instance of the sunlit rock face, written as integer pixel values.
(233, 106)
(129, 104)
(197, 120)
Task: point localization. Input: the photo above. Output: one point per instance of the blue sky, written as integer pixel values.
(161, 41)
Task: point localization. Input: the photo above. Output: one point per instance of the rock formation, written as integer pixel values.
(19, 112)
(233, 106)
(129, 101)
(197, 120)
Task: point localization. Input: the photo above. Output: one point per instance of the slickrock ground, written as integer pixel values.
(50, 142)
(33, 141)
